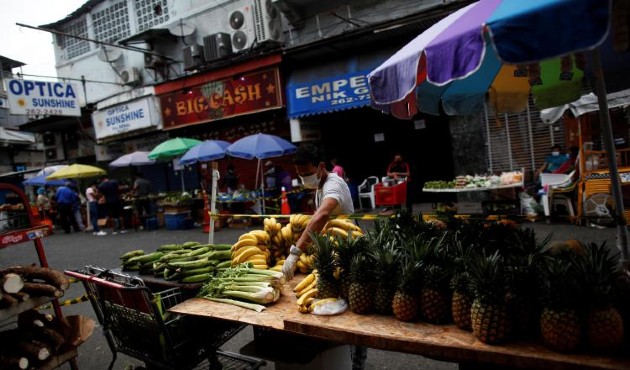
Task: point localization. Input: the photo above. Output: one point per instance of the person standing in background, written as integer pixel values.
(141, 190)
(43, 203)
(231, 179)
(398, 169)
(338, 169)
(76, 207)
(110, 190)
(66, 197)
(92, 195)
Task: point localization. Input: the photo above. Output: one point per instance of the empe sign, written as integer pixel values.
(43, 98)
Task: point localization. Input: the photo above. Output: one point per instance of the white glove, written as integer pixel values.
(288, 267)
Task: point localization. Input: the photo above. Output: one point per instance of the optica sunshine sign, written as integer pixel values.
(43, 98)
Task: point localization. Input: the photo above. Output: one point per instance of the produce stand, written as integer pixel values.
(442, 342)
(21, 228)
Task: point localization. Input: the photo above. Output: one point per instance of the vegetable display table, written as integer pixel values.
(443, 342)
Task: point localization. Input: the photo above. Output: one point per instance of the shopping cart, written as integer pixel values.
(136, 322)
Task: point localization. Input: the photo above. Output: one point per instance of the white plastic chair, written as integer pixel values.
(557, 182)
(366, 190)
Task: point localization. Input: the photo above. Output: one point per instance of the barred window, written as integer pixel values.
(519, 140)
(74, 47)
(112, 23)
(151, 13)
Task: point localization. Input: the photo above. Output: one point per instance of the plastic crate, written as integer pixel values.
(175, 221)
(150, 223)
(390, 195)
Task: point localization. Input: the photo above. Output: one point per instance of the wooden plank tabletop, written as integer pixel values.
(443, 342)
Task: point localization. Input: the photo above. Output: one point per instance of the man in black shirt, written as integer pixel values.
(109, 189)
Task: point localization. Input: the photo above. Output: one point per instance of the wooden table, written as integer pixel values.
(442, 342)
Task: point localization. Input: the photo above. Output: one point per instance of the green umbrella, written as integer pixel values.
(172, 148)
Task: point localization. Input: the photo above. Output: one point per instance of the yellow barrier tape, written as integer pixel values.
(425, 216)
(67, 302)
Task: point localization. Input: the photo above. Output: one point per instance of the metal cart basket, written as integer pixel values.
(136, 322)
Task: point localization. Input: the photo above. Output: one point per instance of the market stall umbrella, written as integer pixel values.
(51, 169)
(76, 171)
(260, 146)
(42, 181)
(172, 148)
(138, 158)
(502, 47)
(208, 150)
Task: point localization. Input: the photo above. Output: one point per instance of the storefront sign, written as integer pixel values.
(43, 98)
(123, 118)
(329, 94)
(234, 96)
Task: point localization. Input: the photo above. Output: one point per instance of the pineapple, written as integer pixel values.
(462, 301)
(435, 297)
(406, 298)
(386, 266)
(326, 262)
(524, 259)
(361, 289)
(560, 323)
(489, 316)
(599, 272)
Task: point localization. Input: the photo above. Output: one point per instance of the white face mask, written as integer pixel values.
(555, 154)
(311, 181)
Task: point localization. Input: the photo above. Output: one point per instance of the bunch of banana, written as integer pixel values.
(271, 226)
(278, 265)
(342, 228)
(283, 239)
(305, 263)
(298, 222)
(252, 247)
(306, 292)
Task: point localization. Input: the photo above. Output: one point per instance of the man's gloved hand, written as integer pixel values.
(288, 268)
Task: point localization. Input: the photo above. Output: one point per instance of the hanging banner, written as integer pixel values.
(215, 100)
(43, 98)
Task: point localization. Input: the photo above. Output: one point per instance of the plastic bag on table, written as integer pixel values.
(329, 307)
(528, 204)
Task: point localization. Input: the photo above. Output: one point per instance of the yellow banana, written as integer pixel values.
(261, 266)
(343, 224)
(303, 221)
(277, 227)
(247, 236)
(256, 259)
(320, 302)
(300, 265)
(338, 231)
(276, 268)
(310, 286)
(242, 256)
(310, 294)
(280, 262)
(304, 258)
(305, 282)
(356, 234)
(243, 243)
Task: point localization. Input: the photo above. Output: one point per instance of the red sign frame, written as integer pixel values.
(215, 100)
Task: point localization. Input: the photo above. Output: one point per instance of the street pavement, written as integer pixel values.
(76, 250)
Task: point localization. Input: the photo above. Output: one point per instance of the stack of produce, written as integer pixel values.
(491, 278)
(19, 283)
(245, 287)
(190, 262)
(36, 339)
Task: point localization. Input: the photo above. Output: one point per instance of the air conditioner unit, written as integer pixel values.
(217, 46)
(193, 57)
(130, 76)
(49, 139)
(241, 28)
(52, 154)
(267, 22)
(153, 61)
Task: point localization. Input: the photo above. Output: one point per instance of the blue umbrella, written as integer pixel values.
(41, 181)
(208, 150)
(260, 146)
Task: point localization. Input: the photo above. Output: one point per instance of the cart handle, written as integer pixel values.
(94, 279)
